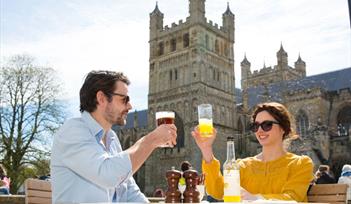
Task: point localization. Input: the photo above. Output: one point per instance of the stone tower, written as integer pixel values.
(191, 63)
(270, 75)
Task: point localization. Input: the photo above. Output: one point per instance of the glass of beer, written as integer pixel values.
(165, 117)
(205, 120)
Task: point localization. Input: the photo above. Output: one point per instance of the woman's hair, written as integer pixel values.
(95, 81)
(281, 114)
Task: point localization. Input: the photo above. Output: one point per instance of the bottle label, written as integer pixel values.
(231, 182)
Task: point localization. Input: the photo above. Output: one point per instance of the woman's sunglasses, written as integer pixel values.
(265, 125)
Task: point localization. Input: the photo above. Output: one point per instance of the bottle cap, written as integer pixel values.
(230, 138)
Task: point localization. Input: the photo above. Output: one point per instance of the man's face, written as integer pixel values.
(116, 110)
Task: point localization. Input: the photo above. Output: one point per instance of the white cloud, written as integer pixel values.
(114, 35)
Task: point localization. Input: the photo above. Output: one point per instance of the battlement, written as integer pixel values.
(168, 29)
(264, 70)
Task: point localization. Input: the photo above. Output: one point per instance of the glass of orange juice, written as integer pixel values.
(205, 120)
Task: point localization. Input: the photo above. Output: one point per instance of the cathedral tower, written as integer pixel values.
(191, 63)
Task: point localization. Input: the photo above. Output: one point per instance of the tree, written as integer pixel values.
(29, 114)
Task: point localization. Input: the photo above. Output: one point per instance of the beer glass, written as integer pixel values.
(165, 117)
(205, 120)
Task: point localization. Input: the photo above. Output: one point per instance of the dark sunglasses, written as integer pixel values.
(265, 125)
(126, 98)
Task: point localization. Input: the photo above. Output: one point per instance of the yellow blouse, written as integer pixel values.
(286, 178)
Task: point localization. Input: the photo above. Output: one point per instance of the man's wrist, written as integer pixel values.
(148, 140)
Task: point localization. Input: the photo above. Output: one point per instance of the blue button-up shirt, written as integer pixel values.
(84, 170)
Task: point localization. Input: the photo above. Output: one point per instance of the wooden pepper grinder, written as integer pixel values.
(191, 194)
(173, 193)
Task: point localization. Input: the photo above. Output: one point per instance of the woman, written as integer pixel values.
(4, 182)
(272, 174)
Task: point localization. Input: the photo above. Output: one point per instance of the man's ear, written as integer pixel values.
(100, 98)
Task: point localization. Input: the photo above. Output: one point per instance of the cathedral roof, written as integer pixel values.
(141, 119)
(238, 95)
(156, 11)
(228, 11)
(245, 61)
(330, 81)
(281, 50)
(299, 60)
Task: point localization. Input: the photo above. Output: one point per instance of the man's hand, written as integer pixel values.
(165, 134)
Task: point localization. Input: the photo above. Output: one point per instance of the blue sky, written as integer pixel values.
(76, 36)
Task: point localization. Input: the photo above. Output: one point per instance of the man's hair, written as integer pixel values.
(95, 81)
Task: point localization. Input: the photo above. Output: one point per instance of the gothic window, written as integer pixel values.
(180, 131)
(241, 139)
(194, 74)
(186, 40)
(218, 76)
(214, 74)
(226, 50)
(206, 41)
(170, 75)
(173, 45)
(175, 74)
(302, 124)
(160, 48)
(344, 121)
(216, 46)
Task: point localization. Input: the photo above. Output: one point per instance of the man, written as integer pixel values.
(87, 161)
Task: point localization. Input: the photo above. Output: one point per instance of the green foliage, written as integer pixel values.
(29, 114)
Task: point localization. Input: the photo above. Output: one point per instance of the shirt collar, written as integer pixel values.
(94, 127)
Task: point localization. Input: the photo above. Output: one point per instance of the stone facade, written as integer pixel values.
(192, 62)
(320, 104)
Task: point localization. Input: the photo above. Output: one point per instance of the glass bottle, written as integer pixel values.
(231, 174)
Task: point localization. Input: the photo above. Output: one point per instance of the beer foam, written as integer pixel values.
(165, 114)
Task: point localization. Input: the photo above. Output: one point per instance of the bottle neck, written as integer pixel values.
(230, 151)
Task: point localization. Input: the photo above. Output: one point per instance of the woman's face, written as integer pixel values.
(272, 136)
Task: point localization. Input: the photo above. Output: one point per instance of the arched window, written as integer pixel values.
(160, 48)
(170, 75)
(241, 140)
(344, 121)
(180, 131)
(302, 124)
(216, 46)
(173, 45)
(175, 74)
(206, 41)
(186, 40)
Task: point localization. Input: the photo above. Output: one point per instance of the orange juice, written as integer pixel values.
(205, 127)
(231, 174)
(232, 199)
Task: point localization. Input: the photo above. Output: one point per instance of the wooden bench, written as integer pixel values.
(328, 193)
(37, 191)
(12, 199)
(156, 199)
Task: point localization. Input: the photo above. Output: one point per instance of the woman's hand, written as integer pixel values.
(204, 143)
(245, 195)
